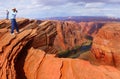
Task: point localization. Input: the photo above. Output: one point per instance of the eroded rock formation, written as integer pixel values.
(106, 47)
(90, 28)
(27, 55)
(68, 35)
(13, 45)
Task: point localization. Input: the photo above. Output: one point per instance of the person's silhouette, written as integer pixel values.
(13, 21)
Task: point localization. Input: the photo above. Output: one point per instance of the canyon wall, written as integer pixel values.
(31, 53)
(68, 35)
(106, 47)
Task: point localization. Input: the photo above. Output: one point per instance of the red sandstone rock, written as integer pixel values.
(106, 45)
(32, 63)
(68, 35)
(90, 28)
(25, 55)
(49, 67)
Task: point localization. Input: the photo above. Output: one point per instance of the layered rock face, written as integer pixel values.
(39, 65)
(106, 47)
(11, 46)
(27, 55)
(71, 34)
(68, 35)
(90, 28)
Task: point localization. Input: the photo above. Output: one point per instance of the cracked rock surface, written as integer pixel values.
(31, 55)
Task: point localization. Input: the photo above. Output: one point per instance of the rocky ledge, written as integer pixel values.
(31, 55)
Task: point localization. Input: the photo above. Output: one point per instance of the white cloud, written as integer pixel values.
(52, 2)
(95, 5)
(47, 8)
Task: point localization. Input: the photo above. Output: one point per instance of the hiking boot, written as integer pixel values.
(12, 34)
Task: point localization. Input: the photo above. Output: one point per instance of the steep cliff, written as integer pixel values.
(39, 65)
(32, 33)
(71, 34)
(30, 54)
(106, 47)
(68, 35)
(90, 28)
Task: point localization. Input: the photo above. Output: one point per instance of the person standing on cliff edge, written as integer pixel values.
(7, 14)
(13, 21)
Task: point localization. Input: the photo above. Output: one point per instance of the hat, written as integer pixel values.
(14, 9)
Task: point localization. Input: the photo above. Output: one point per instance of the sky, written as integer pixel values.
(61, 8)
